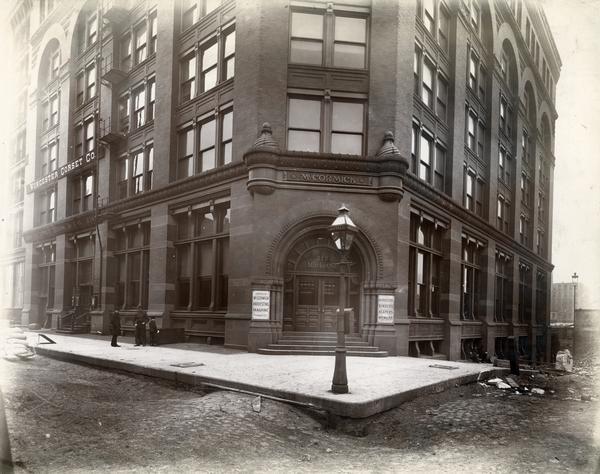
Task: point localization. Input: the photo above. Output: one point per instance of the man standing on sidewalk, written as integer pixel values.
(140, 326)
(115, 328)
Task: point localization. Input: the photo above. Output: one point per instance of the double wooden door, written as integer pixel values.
(318, 298)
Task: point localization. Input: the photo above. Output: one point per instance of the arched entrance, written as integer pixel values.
(312, 286)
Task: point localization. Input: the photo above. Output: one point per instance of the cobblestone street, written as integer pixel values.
(65, 417)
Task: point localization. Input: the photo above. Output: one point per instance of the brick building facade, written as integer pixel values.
(146, 176)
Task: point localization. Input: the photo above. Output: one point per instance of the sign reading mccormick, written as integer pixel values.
(61, 172)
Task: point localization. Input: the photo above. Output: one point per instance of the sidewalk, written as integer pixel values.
(375, 384)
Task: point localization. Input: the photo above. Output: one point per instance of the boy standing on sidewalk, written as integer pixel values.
(115, 328)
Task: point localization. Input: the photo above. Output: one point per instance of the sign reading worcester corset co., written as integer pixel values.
(64, 170)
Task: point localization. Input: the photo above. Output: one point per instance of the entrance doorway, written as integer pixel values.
(312, 287)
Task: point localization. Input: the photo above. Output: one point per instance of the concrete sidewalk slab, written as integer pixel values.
(376, 384)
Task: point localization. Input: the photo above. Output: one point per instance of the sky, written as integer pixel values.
(576, 231)
(576, 222)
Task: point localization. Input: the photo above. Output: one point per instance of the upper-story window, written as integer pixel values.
(504, 166)
(192, 10)
(50, 112)
(135, 171)
(428, 157)
(138, 104)
(49, 158)
(503, 214)
(212, 64)
(54, 65)
(47, 206)
(329, 126)
(506, 117)
(338, 43)
(140, 34)
(475, 134)
(88, 30)
(213, 136)
(139, 43)
(84, 138)
(436, 18)
(473, 191)
(429, 84)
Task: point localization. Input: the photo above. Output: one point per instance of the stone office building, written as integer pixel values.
(145, 175)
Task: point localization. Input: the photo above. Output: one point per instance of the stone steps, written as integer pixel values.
(319, 343)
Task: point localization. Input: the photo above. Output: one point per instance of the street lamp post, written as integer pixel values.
(342, 231)
(574, 279)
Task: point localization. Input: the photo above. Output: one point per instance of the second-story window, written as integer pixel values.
(213, 136)
(471, 278)
(346, 38)
(342, 132)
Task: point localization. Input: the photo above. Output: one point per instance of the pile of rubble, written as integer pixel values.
(534, 384)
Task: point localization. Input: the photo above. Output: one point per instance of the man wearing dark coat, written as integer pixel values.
(115, 328)
(140, 326)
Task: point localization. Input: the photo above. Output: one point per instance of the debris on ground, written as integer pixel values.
(510, 381)
(256, 404)
(14, 345)
(538, 391)
(564, 361)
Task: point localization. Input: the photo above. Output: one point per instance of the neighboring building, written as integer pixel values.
(562, 307)
(147, 184)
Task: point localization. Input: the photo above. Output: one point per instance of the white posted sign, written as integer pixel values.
(385, 309)
(261, 302)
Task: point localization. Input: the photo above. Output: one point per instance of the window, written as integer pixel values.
(153, 33)
(475, 15)
(503, 289)
(208, 76)
(424, 266)
(541, 289)
(229, 56)
(525, 147)
(89, 135)
(188, 77)
(80, 88)
(54, 65)
(133, 263)
(140, 35)
(417, 69)
(480, 140)
(481, 83)
(189, 13)
(227, 137)
(46, 273)
(135, 172)
(47, 206)
(49, 158)
(503, 106)
(90, 82)
(471, 121)
(428, 158)
(139, 104)
(473, 191)
(470, 278)
(151, 99)
(82, 193)
(87, 30)
(45, 115)
(349, 36)
(429, 15)
(427, 89)
(524, 230)
(54, 110)
(503, 214)
(126, 52)
(20, 146)
(124, 105)
(444, 28)
(539, 245)
(203, 258)
(473, 67)
(18, 185)
(442, 97)
(541, 206)
(191, 10)
(308, 131)
(525, 190)
(525, 296)
(206, 153)
(185, 166)
(78, 138)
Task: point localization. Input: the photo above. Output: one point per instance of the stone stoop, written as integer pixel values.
(319, 343)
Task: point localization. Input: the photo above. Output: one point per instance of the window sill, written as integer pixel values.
(204, 94)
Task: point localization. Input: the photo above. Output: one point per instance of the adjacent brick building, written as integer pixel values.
(151, 179)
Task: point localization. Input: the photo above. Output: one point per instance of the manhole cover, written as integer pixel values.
(440, 366)
(187, 364)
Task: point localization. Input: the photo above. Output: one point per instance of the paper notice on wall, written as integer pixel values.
(261, 303)
(385, 309)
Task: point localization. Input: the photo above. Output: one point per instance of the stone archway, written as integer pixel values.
(312, 284)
